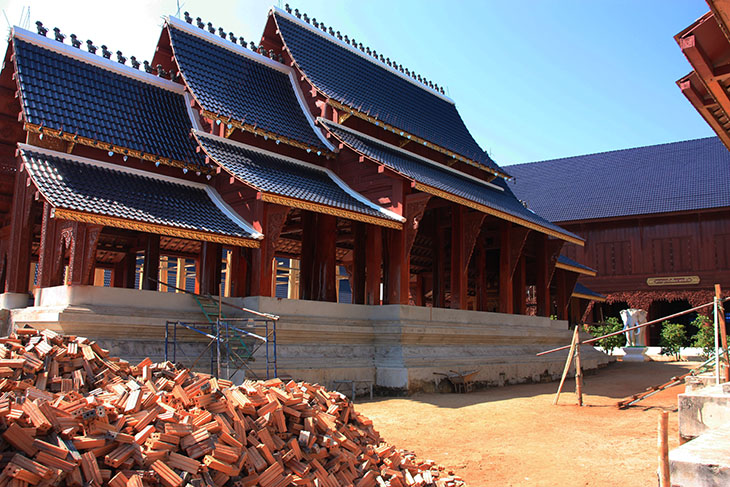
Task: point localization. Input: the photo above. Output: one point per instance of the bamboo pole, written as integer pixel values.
(568, 361)
(723, 332)
(578, 372)
(663, 449)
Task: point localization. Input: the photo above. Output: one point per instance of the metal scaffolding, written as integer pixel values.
(232, 342)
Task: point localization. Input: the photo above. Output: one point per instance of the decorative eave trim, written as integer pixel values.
(252, 128)
(269, 63)
(341, 44)
(414, 138)
(576, 269)
(328, 172)
(588, 297)
(77, 139)
(94, 60)
(211, 192)
(109, 221)
(497, 213)
(406, 153)
(329, 210)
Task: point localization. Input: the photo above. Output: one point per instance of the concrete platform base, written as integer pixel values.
(702, 462)
(13, 300)
(703, 409)
(397, 347)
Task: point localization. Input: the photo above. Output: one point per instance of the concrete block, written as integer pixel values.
(13, 300)
(702, 462)
(701, 410)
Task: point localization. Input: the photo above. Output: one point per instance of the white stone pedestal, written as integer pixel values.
(635, 354)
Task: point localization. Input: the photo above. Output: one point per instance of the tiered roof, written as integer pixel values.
(680, 176)
(243, 88)
(90, 100)
(294, 183)
(494, 198)
(91, 191)
(370, 89)
(569, 264)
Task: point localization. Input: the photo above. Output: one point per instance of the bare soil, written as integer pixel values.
(513, 435)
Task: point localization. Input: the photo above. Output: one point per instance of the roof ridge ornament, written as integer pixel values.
(364, 49)
(41, 30)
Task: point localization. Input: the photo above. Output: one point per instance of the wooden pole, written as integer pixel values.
(569, 360)
(663, 449)
(578, 370)
(723, 332)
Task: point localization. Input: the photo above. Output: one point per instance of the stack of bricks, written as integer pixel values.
(71, 415)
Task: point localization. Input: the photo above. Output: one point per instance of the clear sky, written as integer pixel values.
(533, 80)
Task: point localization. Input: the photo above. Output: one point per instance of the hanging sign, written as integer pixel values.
(673, 281)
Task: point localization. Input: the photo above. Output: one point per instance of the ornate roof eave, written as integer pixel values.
(73, 139)
(578, 270)
(232, 124)
(109, 221)
(369, 118)
(589, 297)
(303, 204)
(242, 125)
(413, 138)
(477, 206)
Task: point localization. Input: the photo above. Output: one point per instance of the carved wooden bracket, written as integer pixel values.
(470, 227)
(415, 207)
(518, 238)
(554, 246)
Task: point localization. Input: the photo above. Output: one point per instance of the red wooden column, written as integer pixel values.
(561, 294)
(151, 265)
(317, 278)
(269, 219)
(21, 235)
(542, 287)
(505, 268)
(211, 255)
(519, 293)
(439, 260)
(374, 261)
(398, 262)
(458, 278)
(239, 271)
(324, 285)
(359, 258)
(50, 252)
(481, 288)
(81, 240)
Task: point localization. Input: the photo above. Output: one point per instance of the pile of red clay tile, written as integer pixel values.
(71, 415)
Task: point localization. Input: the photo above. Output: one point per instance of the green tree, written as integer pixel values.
(705, 336)
(611, 325)
(672, 340)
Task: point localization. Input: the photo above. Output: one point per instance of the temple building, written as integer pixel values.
(655, 220)
(218, 163)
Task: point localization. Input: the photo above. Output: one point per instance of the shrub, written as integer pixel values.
(611, 325)
(705, 336)
(672, 340)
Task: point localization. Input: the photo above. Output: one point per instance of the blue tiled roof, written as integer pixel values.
(441, 178)
(373, 88)
(99, 189)
(65, 93)
(236, 86)
(581, 289)
(568, 261)
(680, 176)
(275, 174)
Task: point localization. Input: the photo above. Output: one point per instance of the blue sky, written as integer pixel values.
(533, 80)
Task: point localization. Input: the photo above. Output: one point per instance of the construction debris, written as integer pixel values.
(71, 415)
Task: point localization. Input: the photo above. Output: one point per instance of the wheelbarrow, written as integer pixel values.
(462, 381)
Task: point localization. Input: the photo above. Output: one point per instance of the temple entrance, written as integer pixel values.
(662, 308)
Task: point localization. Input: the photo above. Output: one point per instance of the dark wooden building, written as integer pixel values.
(231, 155)
(655, 220)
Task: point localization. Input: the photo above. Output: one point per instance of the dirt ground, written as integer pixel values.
(514, 436)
